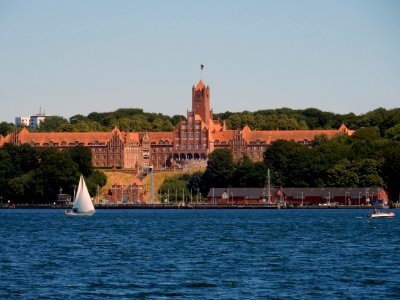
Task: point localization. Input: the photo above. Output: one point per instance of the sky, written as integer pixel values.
(76, 57)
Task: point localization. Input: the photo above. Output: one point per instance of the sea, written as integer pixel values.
(199, 254)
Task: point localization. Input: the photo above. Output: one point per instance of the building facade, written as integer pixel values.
(31, 121)
(330, 196)
(193, 139)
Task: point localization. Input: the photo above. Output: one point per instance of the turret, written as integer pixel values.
(201, 101)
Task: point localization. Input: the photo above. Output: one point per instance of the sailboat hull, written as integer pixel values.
(71, 213)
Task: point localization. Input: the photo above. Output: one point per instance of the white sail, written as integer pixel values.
(83, 203)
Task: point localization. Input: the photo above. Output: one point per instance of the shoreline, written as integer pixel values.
(191, 206)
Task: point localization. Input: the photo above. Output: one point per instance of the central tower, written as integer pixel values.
(201, 102)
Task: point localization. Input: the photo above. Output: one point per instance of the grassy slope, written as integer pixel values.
(125, 179)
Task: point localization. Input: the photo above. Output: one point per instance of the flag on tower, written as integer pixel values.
(201, 67)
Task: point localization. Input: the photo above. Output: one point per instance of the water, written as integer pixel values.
(199, 254)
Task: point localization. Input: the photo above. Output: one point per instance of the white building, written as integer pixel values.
(31, 121)
(22, 121)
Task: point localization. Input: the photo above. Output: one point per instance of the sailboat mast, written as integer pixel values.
(269, 186)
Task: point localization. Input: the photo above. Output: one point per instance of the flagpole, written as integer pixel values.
(201, 71)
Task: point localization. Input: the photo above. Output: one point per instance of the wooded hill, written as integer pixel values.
(136, 120)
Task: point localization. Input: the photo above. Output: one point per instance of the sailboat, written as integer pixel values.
(83, 205)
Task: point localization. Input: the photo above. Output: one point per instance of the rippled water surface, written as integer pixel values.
(199, 254)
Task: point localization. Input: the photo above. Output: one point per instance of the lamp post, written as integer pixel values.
(232, 197)
(359, 198)
(302, 198)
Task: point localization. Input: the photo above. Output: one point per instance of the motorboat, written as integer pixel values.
(380, 214)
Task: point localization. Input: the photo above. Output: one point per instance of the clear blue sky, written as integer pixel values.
(76, 57)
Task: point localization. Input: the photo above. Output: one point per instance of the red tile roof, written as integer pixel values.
(270, 136)
(223, 136)
(84, 138)
(157, 137)
(5, 140)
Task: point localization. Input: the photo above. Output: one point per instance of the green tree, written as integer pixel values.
(219, 171)
(52, 123)
(82, 156)
(234, 122)
(96, 180)
(177, 186)
(56, 170)
(6, 128)
(66, 128)
(342, 175)
(393, 133)
(390, 170)
(324, 156)
(369, 133)
(249, 174)
(289, 163)
(368, 172)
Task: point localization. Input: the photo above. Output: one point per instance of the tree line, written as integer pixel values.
(365, 159)
(31, 175)
(136, 120)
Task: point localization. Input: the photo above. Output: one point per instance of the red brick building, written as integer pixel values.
(330, 196)
(193, 139)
